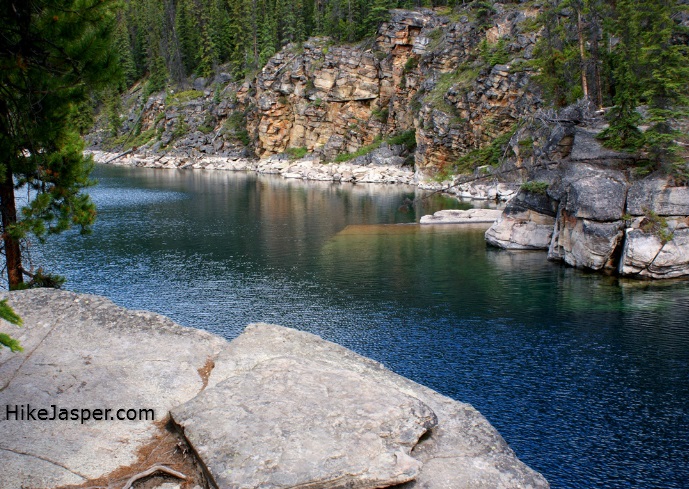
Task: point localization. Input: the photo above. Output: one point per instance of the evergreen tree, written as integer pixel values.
(52, 52)
(665, 66)
(623, 132)
(124, 53)
(188, 33)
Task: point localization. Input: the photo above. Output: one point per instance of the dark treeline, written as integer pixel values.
(173, 39)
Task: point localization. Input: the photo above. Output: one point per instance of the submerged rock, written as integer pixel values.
(274, 408)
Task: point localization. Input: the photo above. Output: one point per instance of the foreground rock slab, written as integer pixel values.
(84, 352)
(273, 371)
(293, 421)
(275, 408)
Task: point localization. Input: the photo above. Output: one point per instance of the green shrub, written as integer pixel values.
(535, 187)
(235, 128)
(181, 128)
(652, 223)
(296, 153)
(364, 150)
(494, 54)
(183, 97)
(410, 65)
(489, 155)
(407, 138)
(381, 114)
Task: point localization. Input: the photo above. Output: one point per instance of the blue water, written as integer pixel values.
(585, 376)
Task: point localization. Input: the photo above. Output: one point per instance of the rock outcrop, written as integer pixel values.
(275, 408)
(591, 213)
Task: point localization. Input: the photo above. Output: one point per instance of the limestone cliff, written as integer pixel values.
(459, 87)
(425, 71)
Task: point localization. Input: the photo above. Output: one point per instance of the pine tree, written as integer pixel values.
(124, 53)
(52, 52)
(665, 83)
(623, 132)
(188, 33)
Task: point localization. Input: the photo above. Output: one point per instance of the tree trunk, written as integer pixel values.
(582, 53)
(13, 256)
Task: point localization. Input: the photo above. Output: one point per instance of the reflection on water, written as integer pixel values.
(585, 376)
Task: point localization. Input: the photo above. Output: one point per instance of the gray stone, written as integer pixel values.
(645, 256)
(84, 352)
(292, 421)
(200, 83)
(525, 224)
(656, 195)
(455, 216)
(590, 191)
(586, 148)
(528, 230)
(584, 243)
(463, 450)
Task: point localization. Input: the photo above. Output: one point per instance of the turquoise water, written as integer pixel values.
(586, 376)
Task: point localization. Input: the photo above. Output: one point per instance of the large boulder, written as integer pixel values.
(651, 256)
(584, 243)
(462, 451)
(588, 228)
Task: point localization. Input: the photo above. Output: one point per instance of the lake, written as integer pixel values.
(585, 376)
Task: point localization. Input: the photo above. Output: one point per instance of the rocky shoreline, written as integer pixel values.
(382, 166)
(274, 408)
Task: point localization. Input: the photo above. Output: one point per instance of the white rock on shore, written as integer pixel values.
(455, 216)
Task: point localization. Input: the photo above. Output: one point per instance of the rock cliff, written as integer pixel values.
(275, 408)
(457, 83)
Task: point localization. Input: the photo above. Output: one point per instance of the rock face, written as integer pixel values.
(595, 216)
(456, 83)
(274, 408)
(331, 427)
(656, 243)
(526, 223)
(337, 99)
(461, 451)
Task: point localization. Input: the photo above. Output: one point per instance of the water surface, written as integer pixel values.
(586, 376)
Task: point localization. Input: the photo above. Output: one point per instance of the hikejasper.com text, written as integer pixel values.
(26, 412)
